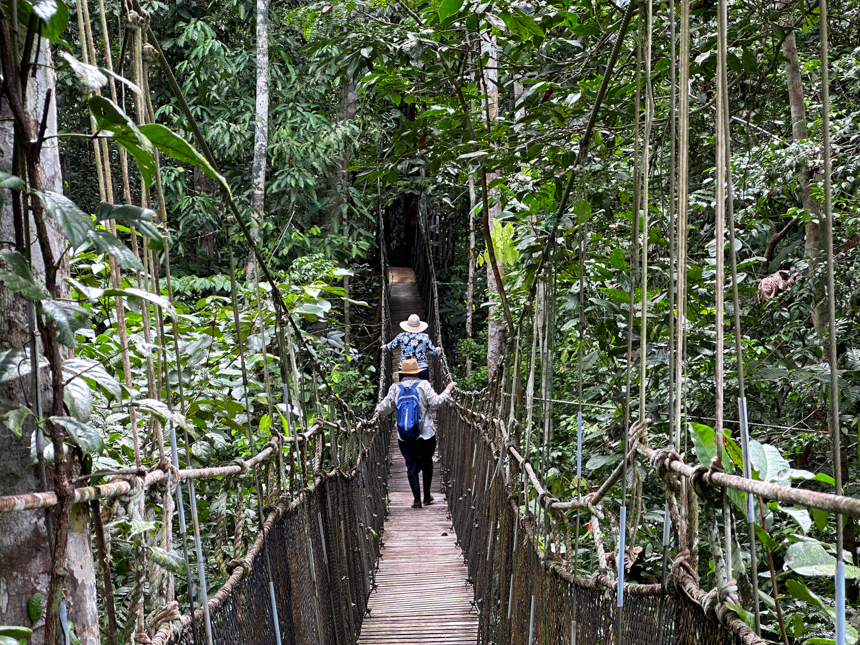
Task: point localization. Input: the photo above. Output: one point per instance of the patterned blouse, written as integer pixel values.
(415, 346)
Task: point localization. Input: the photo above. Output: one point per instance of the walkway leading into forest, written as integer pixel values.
(422, 594)
(403, 298)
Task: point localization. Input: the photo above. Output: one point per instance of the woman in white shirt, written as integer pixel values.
(418, 453)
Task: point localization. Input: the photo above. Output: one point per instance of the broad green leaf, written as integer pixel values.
(769, 464)
(14, 419)
(800, 515)
(8, 640)
(67, 318)
(79, 399)
(160, 409)
(821, 518)
(90, 76)
(13, 631)
(764, 537)
(448, 8)
(84, 436)
(169, 560)
(800, 591)
(495, 21)
(150, 297)
(107, 243)
(34, 607)
(178, 148)
(599, 461)
(143, 158)
(141, 218)
(44, 9)
(706, 448)
(750, 63)
(15, 363)
(747, 616)
(20, 278)
(53, 26)
(75, 222)
(11, 181)
(112, 118)
(809, 559)
(734, 63)
(91, 370)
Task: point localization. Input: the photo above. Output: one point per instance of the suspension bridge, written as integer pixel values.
(339, 558)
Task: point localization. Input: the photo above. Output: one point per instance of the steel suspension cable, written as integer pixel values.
(736, 315)
(831, 320)
(644, 171)
(681, 262)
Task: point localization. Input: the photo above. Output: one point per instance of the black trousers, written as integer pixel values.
(418, 454)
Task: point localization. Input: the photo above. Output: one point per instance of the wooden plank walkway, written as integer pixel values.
(422, 596)
(403, 297)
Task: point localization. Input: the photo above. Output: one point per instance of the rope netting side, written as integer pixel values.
(508, 553)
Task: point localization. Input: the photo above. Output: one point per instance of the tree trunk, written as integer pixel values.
(496, 325)
(338, 180)
(25, 557)
(470, 287)
(261, 127)
(800, 132)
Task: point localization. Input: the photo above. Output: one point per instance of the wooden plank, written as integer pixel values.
(422, 597)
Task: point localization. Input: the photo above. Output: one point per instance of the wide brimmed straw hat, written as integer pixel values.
(409, 366)
(414, 324)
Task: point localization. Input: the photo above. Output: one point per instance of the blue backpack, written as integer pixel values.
(408, 413)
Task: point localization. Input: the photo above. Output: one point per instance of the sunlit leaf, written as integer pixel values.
(84, 436)
(76, 223)
(90, 76)
(20, 278)
(66, 317)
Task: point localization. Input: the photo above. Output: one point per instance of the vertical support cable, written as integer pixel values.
(681, 261)
(831, 320)
(250, 435)
(634, 253)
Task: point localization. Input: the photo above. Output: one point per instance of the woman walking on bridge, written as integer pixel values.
(417, 452)
(414, 343)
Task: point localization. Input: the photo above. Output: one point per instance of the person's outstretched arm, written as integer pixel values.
(435, 351)
(435, 400)
(394, 343)
(389, 403)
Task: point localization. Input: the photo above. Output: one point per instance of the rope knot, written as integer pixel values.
(241, 463)
(593, 508)
(661, 460)
(238, 562)
(715, 600)
(167, 614)
(171, 471)
(699, 480)
(150, 53)
(136, 490)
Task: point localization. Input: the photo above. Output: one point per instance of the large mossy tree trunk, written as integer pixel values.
(25, 556)
(497, 331)
(261, 123)
(800, 133)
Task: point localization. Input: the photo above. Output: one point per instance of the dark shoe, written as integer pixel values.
(416, 490)
(428, 481)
